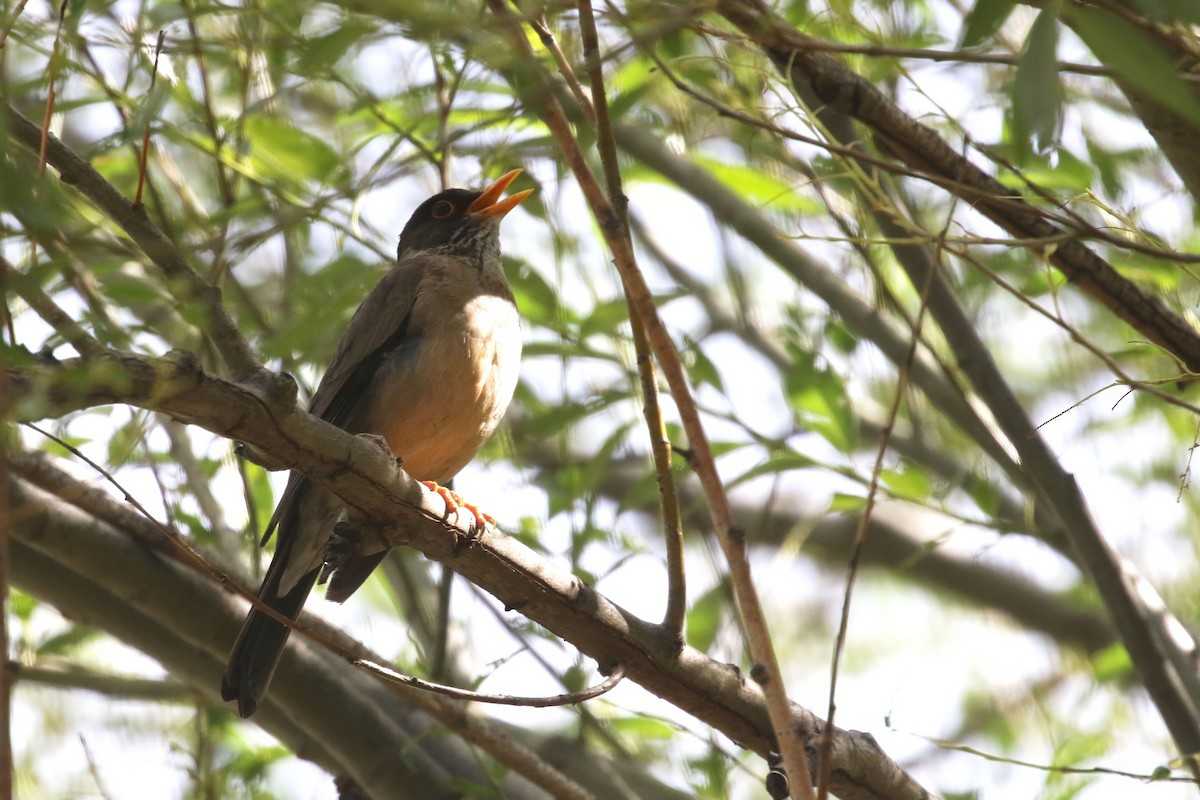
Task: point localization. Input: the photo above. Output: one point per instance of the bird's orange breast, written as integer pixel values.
(438, 407)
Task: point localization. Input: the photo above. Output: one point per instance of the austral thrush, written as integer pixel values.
(429, 362)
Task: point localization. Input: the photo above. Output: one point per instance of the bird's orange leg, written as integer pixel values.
(454, 501)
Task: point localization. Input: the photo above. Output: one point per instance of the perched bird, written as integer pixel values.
(429, 362)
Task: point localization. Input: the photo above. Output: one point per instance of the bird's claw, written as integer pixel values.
(454, 501)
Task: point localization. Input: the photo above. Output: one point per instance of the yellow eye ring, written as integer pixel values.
(443, 209)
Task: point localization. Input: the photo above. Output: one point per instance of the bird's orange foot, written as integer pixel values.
(454, 502)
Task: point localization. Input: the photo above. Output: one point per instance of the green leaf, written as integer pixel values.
(1037, 94)
(286, 153)
(604, 317)
(705, 617)
(130, 290)
(776, 463)
(909, 482)
(595, 471)
(700, 367)
(1059, 170)
(537, 299)
(642, 728)
(42, 203)
(984, 19)
(316, 56)
(195, 526)
(54, 448)
(846, 503)
(1161, 276)
(262, 494)
(1106, 164)
(251, 762)
(819, 399)
(840, 336)
(16, 356)
(985, 494)
(1112, 664)
(1137, 58)
(21, 604)
(320, 306)
(149, 108)
(124, 441)
(797, 13)
(555, 420)
(530, 533)
(756, 186)
(712, 770)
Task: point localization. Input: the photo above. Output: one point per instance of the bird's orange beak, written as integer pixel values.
(489, 203)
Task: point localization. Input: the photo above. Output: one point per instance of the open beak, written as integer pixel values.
(489, 204)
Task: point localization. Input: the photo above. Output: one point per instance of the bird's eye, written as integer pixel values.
(443, 209)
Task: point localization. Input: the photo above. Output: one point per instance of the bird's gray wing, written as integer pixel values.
(380, 325)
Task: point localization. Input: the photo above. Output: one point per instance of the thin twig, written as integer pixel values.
(765, 670)
(550, 42)
(925, 54)
(137, 197)
(12, 22)
(442, 95)
(521, 637)
(93, 769)
(676, 611)
(225, 184)
(860, 537)
(51, 77)
(1123, 378)
(1154, 777)
(568, 699)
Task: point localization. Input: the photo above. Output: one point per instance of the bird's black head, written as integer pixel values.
(441, 223)
(460, 222)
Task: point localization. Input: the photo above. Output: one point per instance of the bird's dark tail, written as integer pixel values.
(260, 644)
(350, 575)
